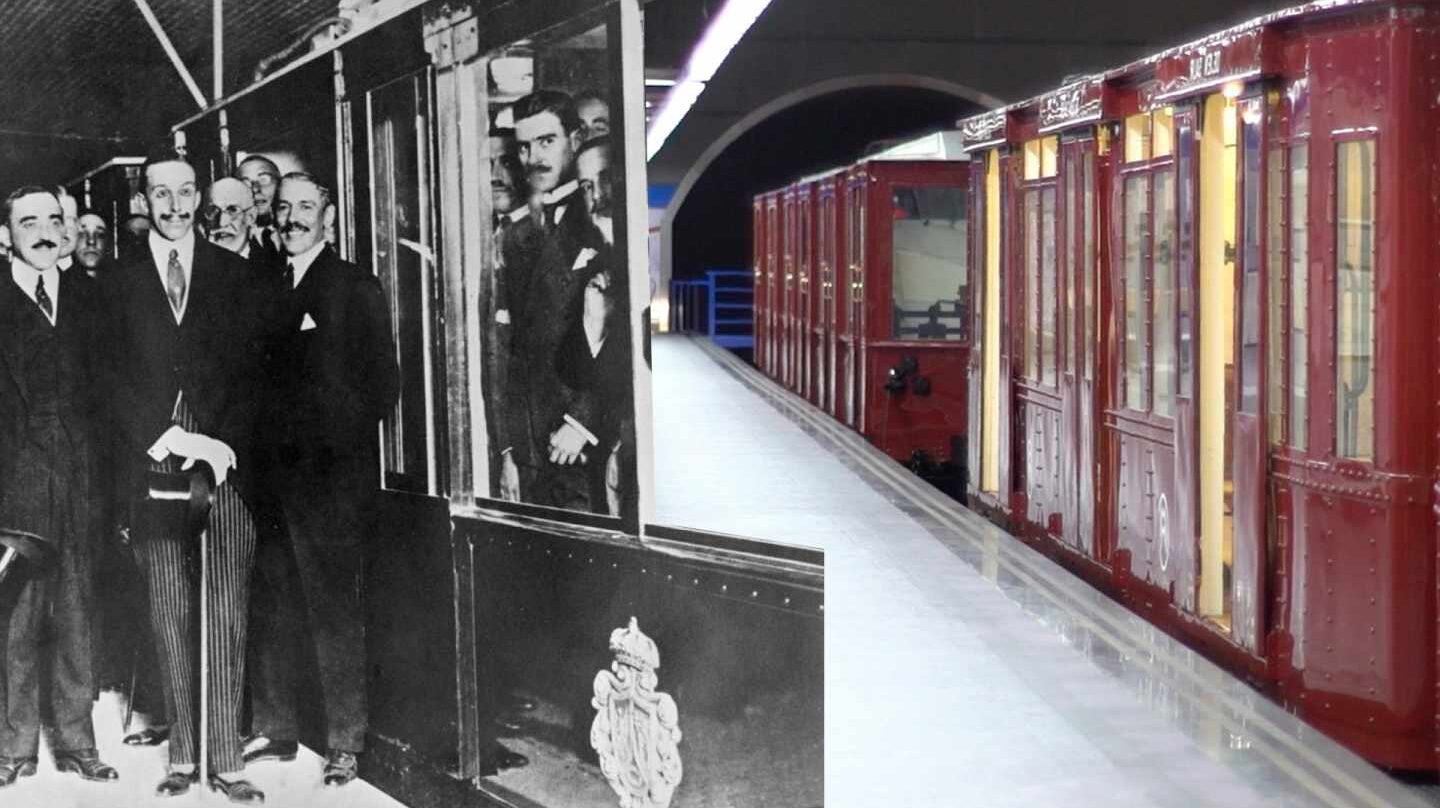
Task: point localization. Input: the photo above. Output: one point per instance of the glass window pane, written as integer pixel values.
(1032, 285)
(1299, 294)
(1355, 300)
(1048, 300)
(1185, 248)
(1137, 204)
(1163, 295)
(1087, 259)
(1072, 278)
(928, 266)
(1250, 257)
(1274, 259)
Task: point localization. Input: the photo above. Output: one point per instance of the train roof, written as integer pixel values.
(942, 145)
(1085, 99)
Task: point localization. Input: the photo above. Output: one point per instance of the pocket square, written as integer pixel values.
(308, 324)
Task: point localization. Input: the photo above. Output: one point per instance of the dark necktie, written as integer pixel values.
(289, 276)
(175, 282)
(43, 299)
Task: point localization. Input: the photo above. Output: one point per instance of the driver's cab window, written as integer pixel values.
(928, 263)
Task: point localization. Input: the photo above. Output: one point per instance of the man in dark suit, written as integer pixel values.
(184, 329)
(541, 292)
(49, 487)
(330, 377)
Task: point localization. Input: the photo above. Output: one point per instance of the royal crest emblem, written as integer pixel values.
(636, 731)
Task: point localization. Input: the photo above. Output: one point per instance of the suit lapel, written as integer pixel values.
(13, 318)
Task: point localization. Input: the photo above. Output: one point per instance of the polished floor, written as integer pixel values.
(286, 785)
(962, 668)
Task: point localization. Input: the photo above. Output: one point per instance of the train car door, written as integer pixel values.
(852, 382)
(787, 288)
(825, 328)
(804, 258)
(757, 235)
(1231, 368)
(772, 302)
(1078, 385)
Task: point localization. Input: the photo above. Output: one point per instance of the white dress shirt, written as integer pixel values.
(160, 248)
(25, 277)
(301, 263)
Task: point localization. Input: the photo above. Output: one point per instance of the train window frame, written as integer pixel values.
(1040, 261)
(1298, 293)
(1139, 391)
(1251, 144)
(935, 192)
(1349, 450)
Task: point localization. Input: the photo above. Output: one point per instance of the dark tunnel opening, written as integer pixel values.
(712, 227)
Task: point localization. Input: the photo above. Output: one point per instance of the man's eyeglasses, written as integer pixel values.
(214, 214)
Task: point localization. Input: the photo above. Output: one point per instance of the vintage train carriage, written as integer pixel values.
(905, 345)
(476, 599)
(1221, 266)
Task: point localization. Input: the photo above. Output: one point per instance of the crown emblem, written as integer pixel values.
(631, 647)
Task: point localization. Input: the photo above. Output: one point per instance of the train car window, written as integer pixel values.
(1049, 155)
(401, 236)
(1299, 295)
(928, 263)
(1087, 257)
(1137, 205)
(1048, 298)
(977, 254)
(1275, 293)
(1071, 261)
(1163, 293)
(553, 285)
(1185, 200)
(1250, 213)
(1355, 299)
(1031, 256)
(1137, 138)
(1162, 132)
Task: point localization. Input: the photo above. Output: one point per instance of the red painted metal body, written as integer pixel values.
(1330, 585)
(927, 411)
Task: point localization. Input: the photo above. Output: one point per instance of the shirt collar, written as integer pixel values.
(302, 262)
(160, 248)
(558, 194)
(66, 262)
(24, 276)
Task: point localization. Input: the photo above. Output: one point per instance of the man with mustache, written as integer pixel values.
(186, 348)
(49, 487)
(542, 291)
(93, 247)
(330, 377)
(262, 177)
(232, 215)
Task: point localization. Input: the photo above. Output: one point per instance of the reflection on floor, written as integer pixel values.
(961, 667)
(286, 785)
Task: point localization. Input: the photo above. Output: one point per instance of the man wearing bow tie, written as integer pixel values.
(330, 377)
(49, 487)
(548, 132)
(187, 345)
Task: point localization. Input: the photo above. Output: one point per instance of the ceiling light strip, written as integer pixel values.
(724, 33)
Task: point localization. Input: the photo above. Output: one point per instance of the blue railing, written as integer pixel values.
(720, 305)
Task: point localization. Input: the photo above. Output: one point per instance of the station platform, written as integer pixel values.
(961, 666)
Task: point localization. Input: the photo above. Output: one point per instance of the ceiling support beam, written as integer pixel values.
(217, 35)
(171, 52)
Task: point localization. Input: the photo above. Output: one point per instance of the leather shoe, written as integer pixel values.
(261, 748)
(150, 736)
(12, 769)
(86, 763)
(340, 767)
(176, 783)
(238, 791)
(499, 759)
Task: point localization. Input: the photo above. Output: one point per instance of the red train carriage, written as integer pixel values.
(1218, 401)
(769, 312)
(909, 295)
(830, 240)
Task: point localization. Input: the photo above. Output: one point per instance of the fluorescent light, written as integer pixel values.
(725, 31)
(659, 82)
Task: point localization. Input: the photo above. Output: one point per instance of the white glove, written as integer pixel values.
(565, 445)
(193, 446)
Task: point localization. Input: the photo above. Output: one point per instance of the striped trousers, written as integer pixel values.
(172, 580)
